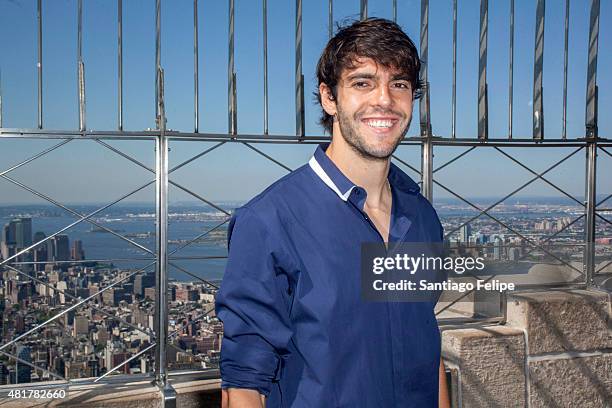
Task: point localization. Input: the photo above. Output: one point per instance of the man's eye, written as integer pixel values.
(402, 85)
(361, 84)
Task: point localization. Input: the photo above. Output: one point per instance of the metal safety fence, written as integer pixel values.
(158, 340)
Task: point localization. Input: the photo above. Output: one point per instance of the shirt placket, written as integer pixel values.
(357, 199)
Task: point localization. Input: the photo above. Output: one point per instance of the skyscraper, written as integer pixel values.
(23, 371)
(77, 253)
(466, 232)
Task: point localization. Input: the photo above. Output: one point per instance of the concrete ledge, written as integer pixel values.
(574, 382)
(490, 363)
(141, 394)
(560, 321)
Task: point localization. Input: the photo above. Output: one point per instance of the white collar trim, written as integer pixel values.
(316, 167)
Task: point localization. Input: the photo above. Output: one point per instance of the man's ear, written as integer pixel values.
(328, 102)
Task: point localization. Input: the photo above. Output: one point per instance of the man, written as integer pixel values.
(297, 332)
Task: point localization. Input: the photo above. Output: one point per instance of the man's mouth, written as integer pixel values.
(380, 123)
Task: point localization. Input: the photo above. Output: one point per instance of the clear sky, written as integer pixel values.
(83, 171)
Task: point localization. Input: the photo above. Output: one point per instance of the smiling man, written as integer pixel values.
(297, 332)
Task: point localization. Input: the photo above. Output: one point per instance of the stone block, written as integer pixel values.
(560, 321)
(491, 365)
(571, 382)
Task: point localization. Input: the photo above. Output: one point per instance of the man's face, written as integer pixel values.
(373, 108)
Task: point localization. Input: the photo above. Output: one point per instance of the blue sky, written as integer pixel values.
(83, 171)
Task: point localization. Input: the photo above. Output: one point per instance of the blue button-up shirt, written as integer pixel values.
(295, 326)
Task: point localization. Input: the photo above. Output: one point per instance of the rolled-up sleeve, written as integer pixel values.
(250, 303)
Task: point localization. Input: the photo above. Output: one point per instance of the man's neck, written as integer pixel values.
(369, 174)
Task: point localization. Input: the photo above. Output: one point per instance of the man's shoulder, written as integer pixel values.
(285, 191)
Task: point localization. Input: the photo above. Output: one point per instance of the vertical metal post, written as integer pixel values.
(591, 137)
(363, 9)
(80, 67)
(161, 241)
(299, 77)
(538, 69)
(0, 98)
(330, 18)
(231, 75)
(424, 101)
(265, 64)
(196, 75)
(425, 119)
(483, 103)
(565, 53)
(157, 54)
(39, 64)
(591, 171)
(454, 97)
(120, 64)
(592, 90)
(395, 11)
(511, 71)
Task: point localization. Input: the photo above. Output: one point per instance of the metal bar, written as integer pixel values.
(231, 74)
(0, 98)
(427, 168)
(81, 219)
(32, 365)
(606, 198)
(424, 47)
(196, 75)
(330, 18)
(112, 316)
(591, 199)
(538, 71)
(157, 56)
(63, 312)
(198, 237)
(197, 156)
(185, 189)
(395, 11)
(541, 178)
(454, 159)
(511, 72)
(299, 77)
(454, 97)
(530, 181)
(503, 224)
(80, 66)
(2, 173)
(363, 9)
(565, 55)
(125, 362)
(417, 171)
(120, 64)
(289, 169)
(39, 65)
(84, 261)
(161, 239)
(483, 105)
(265, 65)
(82, 105)
(199, 197)
(58, 204)
(193, 275)
(591, 99)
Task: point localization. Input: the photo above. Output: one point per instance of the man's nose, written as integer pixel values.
(383, 96)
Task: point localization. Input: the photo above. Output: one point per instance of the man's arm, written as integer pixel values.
(256, 323)
(242, 398)
(443, 399)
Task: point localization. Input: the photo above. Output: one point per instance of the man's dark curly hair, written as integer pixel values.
(379, 39)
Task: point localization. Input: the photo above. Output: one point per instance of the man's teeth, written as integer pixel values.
(380, 123)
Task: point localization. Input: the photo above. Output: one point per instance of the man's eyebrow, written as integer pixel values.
(360, 75)
(400, 77)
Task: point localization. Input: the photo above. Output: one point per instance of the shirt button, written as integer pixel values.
(357, 192)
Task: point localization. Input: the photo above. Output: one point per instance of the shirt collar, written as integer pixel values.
(331, 175)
